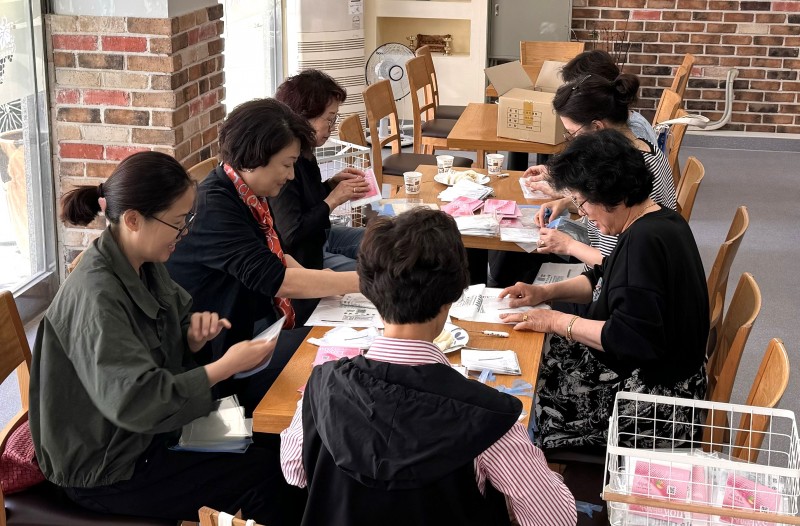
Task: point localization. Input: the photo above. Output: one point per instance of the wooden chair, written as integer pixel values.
(723, 363)
(429, 132)
(668, 106)
(718, 277)
(210, 517)
(199, 171)
(350, 130)
(677, 131)
(687, 189)
(379, 103)
(44, 504)
(74, 263)
(767, 389)
(682, 74)
(441, 111)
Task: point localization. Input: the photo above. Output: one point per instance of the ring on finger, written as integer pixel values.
(524, 317)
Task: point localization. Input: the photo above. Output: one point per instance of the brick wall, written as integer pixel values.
(121, 85)
(759, 38)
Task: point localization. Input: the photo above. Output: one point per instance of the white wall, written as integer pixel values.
(138, 8)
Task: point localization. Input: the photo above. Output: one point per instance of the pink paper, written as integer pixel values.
(502, 207)
(743, 493)
(462, 206)
(374, 193)
(661, 482)
(331, 353)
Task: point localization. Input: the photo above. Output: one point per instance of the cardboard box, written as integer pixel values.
(526, 112)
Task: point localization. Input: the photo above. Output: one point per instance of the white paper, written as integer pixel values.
(466, 189)
(478, 225)
(224, 430)
(481, 304)
(270, 333)
(347, 337)
(519, 234)
(331, 312)
(500, 362)
(555, 272)
(531, 194)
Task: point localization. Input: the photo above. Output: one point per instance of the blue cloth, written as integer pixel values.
(641, 127)
(341, 248)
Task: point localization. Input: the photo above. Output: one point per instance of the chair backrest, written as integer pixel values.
(687, 189)
(682, 74)
(736, 326)
(767, 389)
(350, 130)
(676, 133)
(74, 263)
(199, 171)
(533, 54)
(425, 52)
(718, 277)
(668, 106)
(419, 79)
(210, 517)
(15, 354)
(379, 103)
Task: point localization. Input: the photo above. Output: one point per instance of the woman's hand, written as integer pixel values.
(347, 189)
(536, 178)
(347, 173)
(524, 295)
(552, 241)
(539, 320)
(203, 327)
(243, 356)
(536, 173)
(555, 207)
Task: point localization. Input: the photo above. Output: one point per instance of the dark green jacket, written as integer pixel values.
(111, 368)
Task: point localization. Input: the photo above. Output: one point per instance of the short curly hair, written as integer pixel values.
(604, 167)
(411, 265)
(309, 92)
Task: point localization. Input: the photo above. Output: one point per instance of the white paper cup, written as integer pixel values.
(444, 163)
(413, 181)
(494, 163)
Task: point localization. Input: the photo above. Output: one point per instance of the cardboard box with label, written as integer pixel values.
(525, 112)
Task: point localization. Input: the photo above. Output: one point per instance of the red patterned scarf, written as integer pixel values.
(260, 209)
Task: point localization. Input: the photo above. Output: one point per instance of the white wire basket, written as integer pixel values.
(333, 157)
(665, 471)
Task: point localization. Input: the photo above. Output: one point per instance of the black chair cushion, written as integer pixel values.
(449, 112)
(399, 163)
(46, 505)
(438, 128)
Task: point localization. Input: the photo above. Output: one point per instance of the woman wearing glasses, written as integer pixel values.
(303, 207)
(646, 327)
(113, 377)
(235, 263)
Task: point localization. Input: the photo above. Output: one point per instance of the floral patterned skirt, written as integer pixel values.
(575, 398)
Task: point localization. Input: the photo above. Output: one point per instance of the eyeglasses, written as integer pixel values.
(569, 136)
(581, 211)
(332, 121)
(181, 230)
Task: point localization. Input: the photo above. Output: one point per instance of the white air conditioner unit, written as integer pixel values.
(328, 35)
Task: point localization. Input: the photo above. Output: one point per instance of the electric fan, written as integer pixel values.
(388, 62)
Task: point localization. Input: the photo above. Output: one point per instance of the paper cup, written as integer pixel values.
(444, 163)
(413, 181)
(494, 163)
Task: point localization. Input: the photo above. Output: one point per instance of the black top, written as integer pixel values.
(225, 263)
(395, 444)
(653, 296)
(301, 214)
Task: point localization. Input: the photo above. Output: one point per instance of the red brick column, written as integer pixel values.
(760, 38)
(121, 85)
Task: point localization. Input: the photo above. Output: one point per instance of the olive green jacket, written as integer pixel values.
(111, 368)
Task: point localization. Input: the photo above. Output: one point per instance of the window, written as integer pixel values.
(27, 223)
(253, 50)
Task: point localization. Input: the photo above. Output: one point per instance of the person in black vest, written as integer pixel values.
(398, 437)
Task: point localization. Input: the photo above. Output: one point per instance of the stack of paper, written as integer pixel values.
(224, 430)
(347, 337)
(481, 303)
(462, 206)
(500, 362)
(465, 188)
(480, 225)
(333, 312)
(502, 208)
(555, 272)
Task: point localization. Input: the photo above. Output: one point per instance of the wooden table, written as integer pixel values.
(476, 129)
(275, 412)
(504, 188)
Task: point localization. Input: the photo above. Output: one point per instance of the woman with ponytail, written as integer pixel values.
(113, 379)
(586, 105)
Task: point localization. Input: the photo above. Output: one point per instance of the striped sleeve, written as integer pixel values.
(518, 469)
(292, 450)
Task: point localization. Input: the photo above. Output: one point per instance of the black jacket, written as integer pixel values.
(225, 263)
(395, 445)
(301, 214)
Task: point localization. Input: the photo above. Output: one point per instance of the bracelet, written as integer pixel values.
(569, 337)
